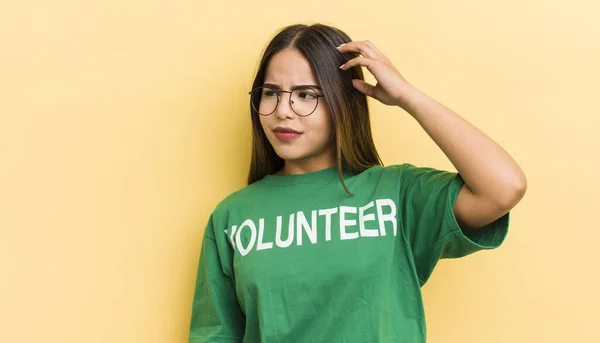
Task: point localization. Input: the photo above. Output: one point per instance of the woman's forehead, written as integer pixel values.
(289, 68)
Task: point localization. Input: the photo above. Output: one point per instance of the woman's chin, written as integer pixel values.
(289, 156)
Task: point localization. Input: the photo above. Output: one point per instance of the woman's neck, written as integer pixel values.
(307, 165)
(295, 169)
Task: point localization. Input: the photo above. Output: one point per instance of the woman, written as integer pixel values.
(325, 244)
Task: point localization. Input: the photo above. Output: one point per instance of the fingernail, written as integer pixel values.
(341, 45)
(342, 66)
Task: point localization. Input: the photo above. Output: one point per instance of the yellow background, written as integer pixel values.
(124, 122)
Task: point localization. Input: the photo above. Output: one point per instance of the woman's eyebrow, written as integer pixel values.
(306, 87)
(274, 86)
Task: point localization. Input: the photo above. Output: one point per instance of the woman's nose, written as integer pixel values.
(284, 109)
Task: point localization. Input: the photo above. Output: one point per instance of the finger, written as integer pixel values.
(375, 49)
(364, 87)
(360, 60)
(363, 48)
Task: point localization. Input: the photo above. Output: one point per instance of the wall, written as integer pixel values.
(123, 123)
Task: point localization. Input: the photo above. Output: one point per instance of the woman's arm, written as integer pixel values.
(494, 182)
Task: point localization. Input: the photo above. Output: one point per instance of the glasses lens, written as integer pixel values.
(264, 100)
(304, 101)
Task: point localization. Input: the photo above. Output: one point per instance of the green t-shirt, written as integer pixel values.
(297, 259)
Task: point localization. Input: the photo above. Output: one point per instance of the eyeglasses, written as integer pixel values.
(303, 100)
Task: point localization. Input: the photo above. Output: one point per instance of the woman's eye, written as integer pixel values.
(269, 93)
(308, 95)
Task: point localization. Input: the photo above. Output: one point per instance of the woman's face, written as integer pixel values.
(303, 142)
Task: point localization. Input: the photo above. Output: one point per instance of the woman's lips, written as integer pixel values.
(286, 134)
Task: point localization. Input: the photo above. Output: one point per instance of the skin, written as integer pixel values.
(314, 149)
(494, 182)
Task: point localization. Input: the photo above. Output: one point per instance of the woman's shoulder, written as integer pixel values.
(392, 168)
(405, 172)
(403, 168)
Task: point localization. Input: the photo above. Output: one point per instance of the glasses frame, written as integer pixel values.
(278, 92)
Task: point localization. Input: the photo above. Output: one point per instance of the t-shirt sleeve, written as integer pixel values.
(216, 313)
(427, 198)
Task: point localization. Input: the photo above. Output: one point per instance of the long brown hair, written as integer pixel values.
(355, 150)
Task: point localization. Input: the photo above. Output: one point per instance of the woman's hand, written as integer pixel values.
(391, 87)
(494, 182)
